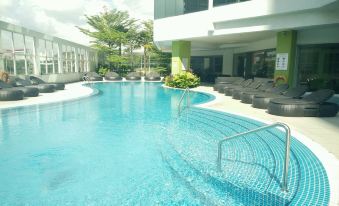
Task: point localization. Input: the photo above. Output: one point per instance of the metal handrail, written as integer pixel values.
(287, 148)
(188, 101)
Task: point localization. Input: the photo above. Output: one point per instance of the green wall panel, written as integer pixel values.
(181, 55)
(286, 44)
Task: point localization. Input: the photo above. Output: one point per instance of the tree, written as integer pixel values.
(115, 31)
(109, 31)
(146, 39)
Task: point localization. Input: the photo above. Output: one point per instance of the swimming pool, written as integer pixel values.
(126, 146)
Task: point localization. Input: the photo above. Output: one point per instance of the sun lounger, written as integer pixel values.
(236, 94)
(92, 76)
(152, 76)
(133, 76)
(36, 81)
(247, 96)
(10, 94)
(312, 105)
(261, 101)
(112, 76)
(27, 91)
(43, 88)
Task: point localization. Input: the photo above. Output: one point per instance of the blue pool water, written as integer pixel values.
(126, 146)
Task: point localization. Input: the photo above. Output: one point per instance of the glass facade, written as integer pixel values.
(167, 8)
(225, 2)
(318, 66)
(28, 54)
(258, 64)
(207, 67)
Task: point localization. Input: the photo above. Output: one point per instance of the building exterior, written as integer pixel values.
(27, 52)
(292, 40)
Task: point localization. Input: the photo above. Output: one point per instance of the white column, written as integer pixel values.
(13, 54)
(86, 61)
(210, 4)
(2, 63)
(76, 59)
(60, 59)
(26, 69)
(53, 57)
(36, 58)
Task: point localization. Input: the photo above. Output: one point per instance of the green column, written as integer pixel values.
(181, 56)
(286, 47)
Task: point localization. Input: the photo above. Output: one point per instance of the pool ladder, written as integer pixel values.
(287, 148)
(188, 100)
(86, 78)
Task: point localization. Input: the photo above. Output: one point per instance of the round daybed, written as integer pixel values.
(43, 88)
(300, 108)
(36, 81)
(112, 76)
(152, 76)
(11, 95)
(256, 86)
(313, 105)
(133, 76)
(92, 76)
(28, 92)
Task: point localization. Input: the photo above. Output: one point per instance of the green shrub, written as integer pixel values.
(182, 80)
(102, 71)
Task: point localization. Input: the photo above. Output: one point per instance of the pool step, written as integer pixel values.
(215, 189)
(307, 180)
(253, 174)
(274, 138)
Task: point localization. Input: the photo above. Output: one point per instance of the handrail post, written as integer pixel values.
(186, 93)
(287, 158)
(287, 149)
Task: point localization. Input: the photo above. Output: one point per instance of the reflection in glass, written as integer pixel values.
(6, 52)
(49, 49)
(42, 48)
(50, 65)
(20, 64)
(29, 43)
(30, 65)
(43, 69)
(19, 47)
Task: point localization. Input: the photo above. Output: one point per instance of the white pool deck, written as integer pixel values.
(321, 135)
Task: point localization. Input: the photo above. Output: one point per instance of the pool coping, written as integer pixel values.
(329, 161)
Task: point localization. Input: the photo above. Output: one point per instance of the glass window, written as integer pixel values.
(257, 64)
(225, 2)
(42, 48)
(318, 66)
(49, 49)
(55, 51)
(167, 8)
(19, 52)
(207, 67)
(43, 69)
(19, 47)
(50, 69)
(30, 65)
(6, 52)
(20, 64)
(56, 65)
(29, 42)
